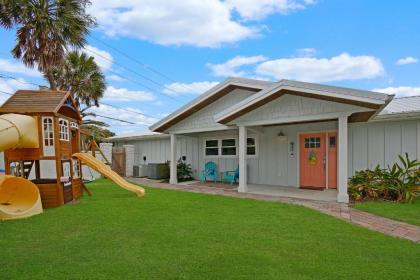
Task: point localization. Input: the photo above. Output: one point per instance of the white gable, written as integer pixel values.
(288, 108)
(203, 120)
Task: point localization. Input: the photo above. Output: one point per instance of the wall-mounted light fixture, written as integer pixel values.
(184, 158)
(144, 159)
(292, 149)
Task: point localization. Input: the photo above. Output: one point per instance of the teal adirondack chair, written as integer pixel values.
(209, 172)
(231, 176)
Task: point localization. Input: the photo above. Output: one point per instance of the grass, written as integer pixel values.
(180, 235)
(407, 212)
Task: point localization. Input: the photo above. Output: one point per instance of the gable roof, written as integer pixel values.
(136, 136)
(363, 98)
(36, 101)
(209, 97)
(401, 107)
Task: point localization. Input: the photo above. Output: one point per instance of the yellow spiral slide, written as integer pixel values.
(106, 171)
(19, 198)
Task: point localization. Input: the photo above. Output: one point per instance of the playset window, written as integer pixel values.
(48, 131)
(64, 129)
(76, 169)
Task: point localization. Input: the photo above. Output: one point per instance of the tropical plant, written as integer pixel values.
(80, 75)
(45, 30)
(184, 171)
(399, 182)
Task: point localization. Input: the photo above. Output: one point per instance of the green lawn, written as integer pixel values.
(408, 212)
(180, 235)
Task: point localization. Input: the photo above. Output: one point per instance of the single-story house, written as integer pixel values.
(286, 133)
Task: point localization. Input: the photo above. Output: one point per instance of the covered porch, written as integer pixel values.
(275, 168)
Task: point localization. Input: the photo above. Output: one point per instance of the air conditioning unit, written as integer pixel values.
(158, 171)
(142, 170)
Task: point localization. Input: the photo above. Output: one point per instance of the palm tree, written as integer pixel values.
(45, 29)
(80, 75)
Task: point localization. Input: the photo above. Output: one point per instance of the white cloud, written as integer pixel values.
(192, 88)
(337, 68)
(115, 78)
(123, 94)
(306, 52)
(230, 67)
(102, 58)
(12, 66)
(10, 86)
(204, 23)
(256, 10)
(401, 91)
(126, 114)
(407, 60)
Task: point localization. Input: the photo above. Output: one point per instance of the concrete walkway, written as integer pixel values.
(338, 210)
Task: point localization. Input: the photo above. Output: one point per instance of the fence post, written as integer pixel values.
(129, 160)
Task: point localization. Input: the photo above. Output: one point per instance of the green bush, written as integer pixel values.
(401, 182)
(184, 171)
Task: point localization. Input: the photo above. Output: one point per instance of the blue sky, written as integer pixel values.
(194, 44)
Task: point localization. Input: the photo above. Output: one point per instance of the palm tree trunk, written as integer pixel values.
(51, 81)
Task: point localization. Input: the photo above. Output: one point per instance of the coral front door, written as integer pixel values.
(312, 160)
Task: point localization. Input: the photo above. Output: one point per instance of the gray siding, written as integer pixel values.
(204, 119)
(380, 143)
(369, 144)
(291, 106)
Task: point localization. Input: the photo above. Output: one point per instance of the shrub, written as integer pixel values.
(184, 171)
(401, 182)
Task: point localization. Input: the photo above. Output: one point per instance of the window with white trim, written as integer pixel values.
(76, 169)
(251, 146)
(212, 147)
(64, 129)
(48, 131)
(228, 147)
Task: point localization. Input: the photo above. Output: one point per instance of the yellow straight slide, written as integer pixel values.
(106, 171)
(19, 198)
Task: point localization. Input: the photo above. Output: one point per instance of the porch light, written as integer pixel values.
(184, 158)
(292, 149)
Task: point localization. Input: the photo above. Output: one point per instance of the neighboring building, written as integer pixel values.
(284, 133)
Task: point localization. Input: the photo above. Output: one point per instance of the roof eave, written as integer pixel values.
(228, 82)
(223, 117)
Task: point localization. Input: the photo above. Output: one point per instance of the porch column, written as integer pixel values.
(342, 160)
(173, 177)
(243, 187)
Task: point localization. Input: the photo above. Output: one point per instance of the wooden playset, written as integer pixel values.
(50, 166)
(40, 137)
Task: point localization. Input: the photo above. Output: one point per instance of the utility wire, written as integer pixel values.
(103, 103)
(134, 72)
(144, 65)
(115, 119)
